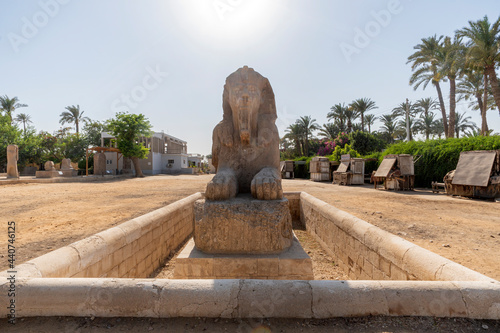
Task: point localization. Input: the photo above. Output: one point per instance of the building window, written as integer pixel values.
(171, 161)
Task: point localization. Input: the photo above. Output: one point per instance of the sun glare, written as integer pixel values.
(232, 21)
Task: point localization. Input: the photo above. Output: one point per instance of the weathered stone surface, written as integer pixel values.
(66, 164)
(242, 225)
(49, 166)
(245, 148)
(291, 264)
(12, 157)
(99, 164)
(49, 172)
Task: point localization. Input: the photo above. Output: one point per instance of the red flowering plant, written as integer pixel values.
(326, 148)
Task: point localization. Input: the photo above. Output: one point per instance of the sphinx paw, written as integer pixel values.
(222, 187)
(266, 185)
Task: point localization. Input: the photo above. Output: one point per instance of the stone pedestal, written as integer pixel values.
(48, 174)
(243, 225)
(67, 169)
(291, 264)
(69, 173)
(12, 157)
(99, 164)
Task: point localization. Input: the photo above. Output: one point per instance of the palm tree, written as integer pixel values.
(425, 105)
(9, 105)
(403, 130)
(308, 125)
(407, 110)
(329, 131)
(463, 123)
(370, 120)
(337, 114)
(426, 124)
(388, 126)
(351, 115)
(438, 128)
(425, 66)
(73, 115)
(483, 51)
(362, 105)
(471, 86)
(454, 59)
(294, 133)
(25, 119)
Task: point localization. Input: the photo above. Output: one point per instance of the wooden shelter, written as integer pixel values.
(319, 168)
(350, 171)
(477, 175)
(100, 150)
(286, 168)
(397, 172)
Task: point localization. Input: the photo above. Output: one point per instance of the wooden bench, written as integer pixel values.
(436, 186)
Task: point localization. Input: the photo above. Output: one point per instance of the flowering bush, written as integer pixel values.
(326, 148)
(342, 139)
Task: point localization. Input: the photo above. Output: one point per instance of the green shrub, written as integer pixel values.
(371, 166)
(302, 171)
(440, 156)
(365, 143)
(338, 152)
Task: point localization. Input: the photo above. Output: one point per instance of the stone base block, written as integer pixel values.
(291, 264)
(242, 225)
(48, 174)
(69, 173)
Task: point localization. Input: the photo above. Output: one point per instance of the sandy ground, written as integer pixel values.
(49, 216)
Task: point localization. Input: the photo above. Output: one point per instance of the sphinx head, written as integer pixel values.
(244, 94)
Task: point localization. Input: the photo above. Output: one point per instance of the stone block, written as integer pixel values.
(198, 298)
(236, 268)
(63, 262)
(397, 273)
(272, 299)
(293, 263)
(268, 267)
(347, 299)
(243, 225)
(48, 174)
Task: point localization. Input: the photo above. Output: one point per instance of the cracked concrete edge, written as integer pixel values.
(250, 298)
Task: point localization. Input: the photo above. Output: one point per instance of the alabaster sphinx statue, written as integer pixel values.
(245, 148)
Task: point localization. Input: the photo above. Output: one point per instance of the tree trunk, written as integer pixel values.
(494, 86)
(137, 167)
(362, 122)
(453, 104)
(484, 122)
(306, 146)
(443, 108)
(77, 128)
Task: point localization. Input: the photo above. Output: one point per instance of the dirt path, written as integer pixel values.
(49, 216)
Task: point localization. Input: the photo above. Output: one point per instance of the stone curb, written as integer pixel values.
(409, 257)
(85, 297)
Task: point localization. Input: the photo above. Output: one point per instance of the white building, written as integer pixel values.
(167, 154)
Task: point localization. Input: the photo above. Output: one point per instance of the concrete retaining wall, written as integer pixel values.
(252, 298)
(367, 252)
(132, 249)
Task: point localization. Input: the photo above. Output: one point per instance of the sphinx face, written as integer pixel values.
(244, 99)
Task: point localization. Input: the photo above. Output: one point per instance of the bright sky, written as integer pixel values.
(168, 59)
